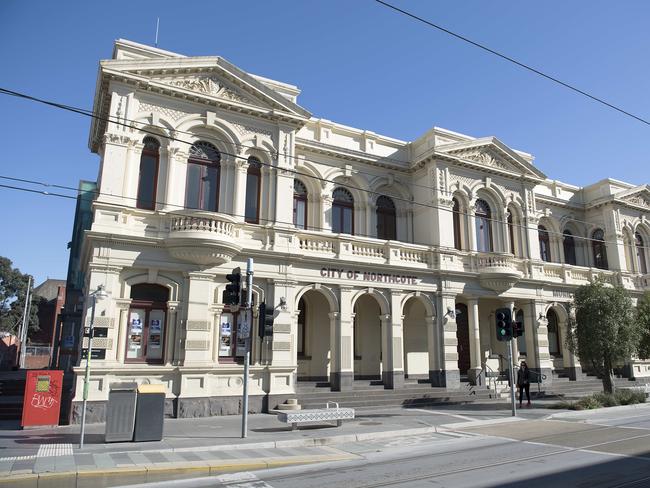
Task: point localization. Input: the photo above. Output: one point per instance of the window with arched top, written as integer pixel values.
(299, 204)
(203, 169)
(145, 341)
(640, 254)
(386, 218)
(511, 233)
(599, 249)
(148, 174)
(554, 342)
(483, 221)
(253, 180)
(569, 245)
(544, 244)
(458, 240)
(342, 212)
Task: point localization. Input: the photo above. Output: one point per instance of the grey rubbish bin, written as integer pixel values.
(150, 413)
(120, 412)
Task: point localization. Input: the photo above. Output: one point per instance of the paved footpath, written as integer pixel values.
(207, 446)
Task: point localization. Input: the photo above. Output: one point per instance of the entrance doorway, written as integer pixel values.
(462, 335)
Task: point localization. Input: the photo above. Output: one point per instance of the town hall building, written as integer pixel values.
(381, 259)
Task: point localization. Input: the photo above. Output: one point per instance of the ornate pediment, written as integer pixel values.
(483, 156)
(489, 152)
(639, 200)
(210, 85)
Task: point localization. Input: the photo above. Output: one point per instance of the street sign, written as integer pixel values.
(245, 326)
(95, 354)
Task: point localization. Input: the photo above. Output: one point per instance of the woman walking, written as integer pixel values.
(523, 382)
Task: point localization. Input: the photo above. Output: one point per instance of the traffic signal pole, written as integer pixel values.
(249, 320)
(513, 399)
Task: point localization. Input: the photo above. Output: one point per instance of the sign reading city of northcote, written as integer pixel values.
(355, 275)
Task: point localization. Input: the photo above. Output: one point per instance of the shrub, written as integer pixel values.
(607, 399)
(630, 397)
(589, 402)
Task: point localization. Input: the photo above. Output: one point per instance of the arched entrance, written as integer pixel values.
(367, 338)
(313, 337)
(416, 343)
(462, 336)
(147, 327)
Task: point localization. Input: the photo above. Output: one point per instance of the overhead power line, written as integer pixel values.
(180, 208)
(133, 125)
(513, 61)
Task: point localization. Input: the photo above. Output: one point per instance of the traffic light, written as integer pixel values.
(233, 289)
(504, 324)
(517, 329)
(266, 318)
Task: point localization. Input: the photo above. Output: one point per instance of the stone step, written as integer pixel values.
(388, 402)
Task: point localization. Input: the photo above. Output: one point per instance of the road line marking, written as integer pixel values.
(54, 450)
(437, 412)
(245, 479)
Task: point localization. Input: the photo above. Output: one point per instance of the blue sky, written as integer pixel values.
(356, 62)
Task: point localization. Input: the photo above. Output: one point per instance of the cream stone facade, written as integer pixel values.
(382, 259)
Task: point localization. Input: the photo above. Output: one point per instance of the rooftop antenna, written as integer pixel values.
(157, 25)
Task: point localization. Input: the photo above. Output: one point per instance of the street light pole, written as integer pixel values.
(99, 293)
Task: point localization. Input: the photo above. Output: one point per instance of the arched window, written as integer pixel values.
(569, 244)
(599, 249)
(253, 178)
(386, 218)
(458, 242)
(145, 340)
(544, 244)
(640, 254)
(299, 205)
(554, 348)
(342, 212)
(148, 177)
(483, 217)
(511, 233)
(202, 187)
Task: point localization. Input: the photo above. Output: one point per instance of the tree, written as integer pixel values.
(13, 286)
(643, 319)
(604, 331)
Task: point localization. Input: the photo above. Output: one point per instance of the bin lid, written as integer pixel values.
(156, 388)
(125, 385)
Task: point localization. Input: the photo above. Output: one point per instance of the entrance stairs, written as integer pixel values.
(562, 387)
(371, 393)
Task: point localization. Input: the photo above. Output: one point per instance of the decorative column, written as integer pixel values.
(392, 373)
(239, 202)
(530, 319)
(197, 326)
(122, 315)
(476, 366)
(325, 223)
(571, 362)
(171, 331)
(174, 196)
(443, 342)
(215, 310)
(342, 343)
(543, 364)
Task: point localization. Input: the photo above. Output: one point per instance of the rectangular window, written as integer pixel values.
(146, 332)
(147, 182)
(231, 343)
(252, 198)
(299, 210)
(193, 185)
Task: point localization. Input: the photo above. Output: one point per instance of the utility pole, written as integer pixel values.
(98, 294)
(24, 327)
(513, 398)
(246, 331)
